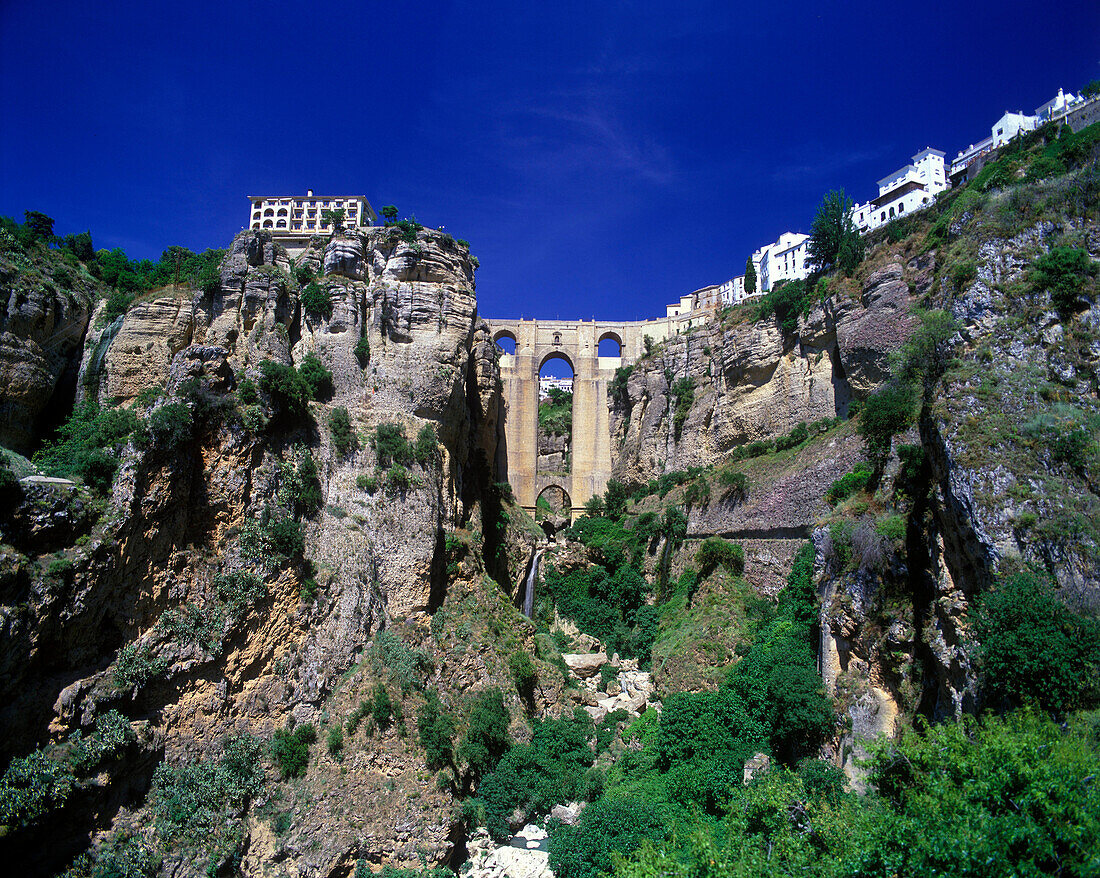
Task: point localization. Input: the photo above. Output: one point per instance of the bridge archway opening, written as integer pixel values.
(555, 415)
(506, 341)
(610, 345)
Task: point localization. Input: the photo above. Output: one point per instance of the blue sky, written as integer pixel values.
(601, 158)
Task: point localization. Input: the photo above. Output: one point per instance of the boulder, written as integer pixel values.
(585, 665)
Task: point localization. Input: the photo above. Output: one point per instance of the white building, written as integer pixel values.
(785, 259)
(546, 383)
(1011, 126)
(732, 292)
(1056, 107)
(293, 220)
(907, 189)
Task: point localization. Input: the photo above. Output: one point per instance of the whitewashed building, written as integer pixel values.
(1011, 126)
(294, 219)
(547, 383)
(1056, 107)
(785, 259)
(907, 189)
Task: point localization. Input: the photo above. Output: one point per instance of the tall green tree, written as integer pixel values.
(39, 226)
(336, 217)
(389, 214)
(750, 276)
(835, 241)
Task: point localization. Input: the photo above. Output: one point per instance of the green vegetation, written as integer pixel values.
(715, 552)
(436, 732)
(618, 388)
(835, 242)
(683, 395)
(316, 300)
(395, 451)
(290, 749)
(556, 413)
(407, 667)
(199, 804)
(750, 277)
(286, 388)
(87, 444)
(1065, 272)
(486, 738)
(317, 378)
(362, 351)
(534, 777)
(1034, 648)
(339, 425)
(849, 484)
(271, 538)
(36, 784)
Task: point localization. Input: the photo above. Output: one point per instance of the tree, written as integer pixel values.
(835, 242)
(750, 277)
(389, 213)
(80, 246)
(1091, 90)
(487, 737)
(1033, 647)
(336, 217)
(39, 226)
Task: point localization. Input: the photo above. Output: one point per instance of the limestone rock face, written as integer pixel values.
(139, 356)
(43, 316)
(751, 381)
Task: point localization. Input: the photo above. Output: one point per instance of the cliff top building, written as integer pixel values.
(909, 188)
(294, 219)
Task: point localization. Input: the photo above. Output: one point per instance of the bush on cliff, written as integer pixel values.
(1034, 648)
(286, 388)
(87, 444)
(715, 552)
(317, 378)
(290, 749)
(316, 300)
(1065, 272)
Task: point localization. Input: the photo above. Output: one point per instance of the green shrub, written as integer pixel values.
(891, 527)
(406, 666)
(86, 444)
(436, 731)
(31, 787)
(171, 424)
(246, 391)
(290, 749)
(1034, 648)
(793, 439)
(486, 738)
(398, 479)
(697, 493)
(239, 590)
(390, 444)
(316, 300)
(1064, 271)
(848, 484)
(890, 410)
(135, 665)
(619, 386)
(523, 671)
(198, 801)
(607, 825)
(737, 482)
(683, 395)
(118, 302)
(343, 436)
(362, 351)
(365, 482)
(317, 378)
(271, 538)
(716, 552)
(286, 388)
(334, 742)
(426, 449)
(381, 707)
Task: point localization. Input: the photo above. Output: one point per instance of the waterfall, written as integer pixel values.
(529, 589)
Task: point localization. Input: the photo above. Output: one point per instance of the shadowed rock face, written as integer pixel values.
(43, 316)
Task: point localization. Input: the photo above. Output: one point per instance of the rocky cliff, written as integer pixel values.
(181, 609)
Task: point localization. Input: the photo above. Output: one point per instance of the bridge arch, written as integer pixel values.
(613, 337)
(556, 354)
(505, 335)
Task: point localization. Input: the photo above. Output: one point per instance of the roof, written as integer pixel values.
(900, 172)
(928, 151)
(897, 192)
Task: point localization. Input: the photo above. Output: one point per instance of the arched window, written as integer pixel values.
(281, 224)
(282, 211)
(268, 224)
(506, 342)
(269, 212)
(901, 207)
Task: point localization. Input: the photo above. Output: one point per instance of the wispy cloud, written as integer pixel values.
(804, 167)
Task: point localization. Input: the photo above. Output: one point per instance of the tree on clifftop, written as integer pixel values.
(750, 277)
(835, 241)
(389, 213)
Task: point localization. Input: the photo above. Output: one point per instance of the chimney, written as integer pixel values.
(309, 193)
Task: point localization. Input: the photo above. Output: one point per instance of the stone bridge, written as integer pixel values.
(577, 342)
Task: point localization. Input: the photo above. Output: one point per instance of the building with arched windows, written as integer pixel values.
(906, 190)
(294, 219)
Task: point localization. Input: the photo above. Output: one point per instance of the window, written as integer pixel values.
(1000, 131)
(901, 207)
